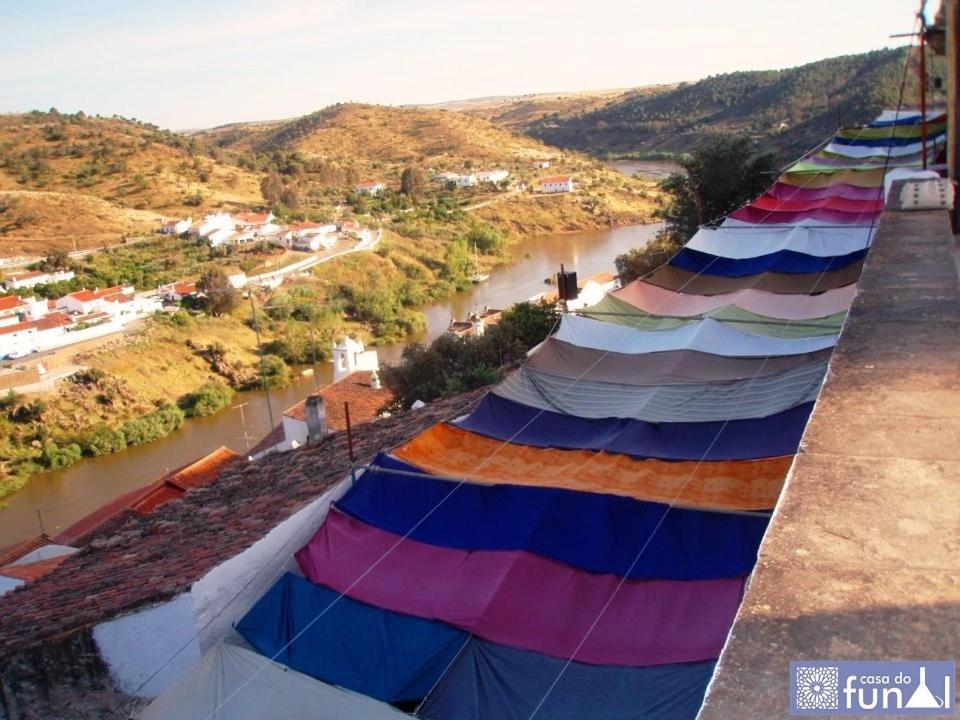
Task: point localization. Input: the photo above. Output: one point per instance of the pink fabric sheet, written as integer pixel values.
(770, 202)
(784, 191)
(758, 215)
(660, 301)
(523, 600)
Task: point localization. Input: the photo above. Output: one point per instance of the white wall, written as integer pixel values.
(138, 646)
(225, 594)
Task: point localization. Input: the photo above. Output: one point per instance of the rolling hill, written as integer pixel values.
(789, 110)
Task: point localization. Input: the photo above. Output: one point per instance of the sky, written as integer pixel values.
(199, 63)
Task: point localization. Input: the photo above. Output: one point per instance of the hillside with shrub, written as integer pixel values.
(788, 110)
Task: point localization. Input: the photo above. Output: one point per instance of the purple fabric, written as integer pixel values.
(525, 601)
(753, 214)
(843, 190)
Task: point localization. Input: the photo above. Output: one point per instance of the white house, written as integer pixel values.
(355, 230)
(18, 339)
(467, 181)
(19, 281)
(176, 291)
(493, 176)
(556, 184)
(237, 278)
(541, 165)
(369, 187)
(10, 309)
(176, 227)
(220, 236)
(311, 237)
(214, 222)
(349, 356)
(109, 300)
(446, 177)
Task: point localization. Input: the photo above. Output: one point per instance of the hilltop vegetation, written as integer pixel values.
(786, 110)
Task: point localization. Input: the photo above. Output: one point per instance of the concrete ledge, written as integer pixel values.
(862, 558)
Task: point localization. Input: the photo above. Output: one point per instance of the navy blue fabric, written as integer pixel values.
(782, 261)
(595, 532)
(490, 681)
(383, 654)
(772, 436)
(886, 142)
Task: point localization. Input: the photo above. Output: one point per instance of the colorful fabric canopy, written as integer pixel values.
(525, 601)
(731, 400)
(679, 280)
(588, 531)
(676, 367)
(821, 178)
(445, 450)
(783, 261)
(906, 117)
(376, 652)
(754, 214)
(706, 336)
(656, 300)
(775, 435)
(753, 242)
(617, 312)
(853, 192)
(882, 151)
(794, 204)
(233, 683)
(494, 681)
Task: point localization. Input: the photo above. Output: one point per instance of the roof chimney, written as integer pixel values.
(375, 381)
(316, 419)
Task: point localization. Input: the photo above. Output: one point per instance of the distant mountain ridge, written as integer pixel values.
(788, 110)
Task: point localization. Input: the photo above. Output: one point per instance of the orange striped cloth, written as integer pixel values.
(450, 451)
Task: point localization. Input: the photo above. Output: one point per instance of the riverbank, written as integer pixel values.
(64, 496)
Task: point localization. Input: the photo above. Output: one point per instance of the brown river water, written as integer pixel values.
(58, 499)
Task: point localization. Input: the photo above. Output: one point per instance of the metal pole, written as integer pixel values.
(346, 413)
(263, 373)
(923, 88)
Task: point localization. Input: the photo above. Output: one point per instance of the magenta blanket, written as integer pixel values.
(523, 600)
(852, 192)
(753, 214)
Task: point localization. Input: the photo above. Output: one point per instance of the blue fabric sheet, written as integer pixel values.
(782, 261)
(490, 681)
(771, 436)
(383, 654)
(590, 531)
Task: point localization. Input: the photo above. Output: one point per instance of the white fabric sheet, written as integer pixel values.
(758, 240)
(707, 336)
(232, 683)
(865, 151)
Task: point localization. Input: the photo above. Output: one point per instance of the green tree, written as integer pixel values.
(271, 187)
(219, 296)
(458, 263)
(487, 239)
(412, 182)
(717, 179)
(209, 398)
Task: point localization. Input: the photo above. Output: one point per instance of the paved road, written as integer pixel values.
(310, 262)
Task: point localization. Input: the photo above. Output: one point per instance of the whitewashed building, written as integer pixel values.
(493, 176)
(369, 187)
(465, 181)
(176, 227)
(29, 279)
(556, 184)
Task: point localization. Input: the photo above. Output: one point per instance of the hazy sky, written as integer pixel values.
(198, 63)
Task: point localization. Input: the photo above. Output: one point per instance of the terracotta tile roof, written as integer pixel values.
(365, 402)
(155, 557)
(184, 288)
(18, 327)
(145, 500)
(12, 553)
(88, 295)
(10, 302)
(29, 275)
(252, 218)
(554, 179)
(52, 320)
(269, 440)
(31, 571)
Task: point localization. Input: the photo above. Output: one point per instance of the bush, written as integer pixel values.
(56, 457)
(209, 398)
(104, 440)
(272, 373)
(160, 423)
(487, 239)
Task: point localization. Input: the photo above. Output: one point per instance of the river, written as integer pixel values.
(65, 496)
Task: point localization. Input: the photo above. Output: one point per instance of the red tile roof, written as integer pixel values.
(88, 295)
(252, 218)
(152, 558)
(10, 302)
(18, 327)
(554, 179)
(12, 553)
(145, 500)
(52, 320)
(34, 570)
(365, 402)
